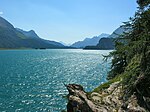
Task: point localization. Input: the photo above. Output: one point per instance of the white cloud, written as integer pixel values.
(1, 12)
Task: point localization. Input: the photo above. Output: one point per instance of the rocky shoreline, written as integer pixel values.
(106, 100)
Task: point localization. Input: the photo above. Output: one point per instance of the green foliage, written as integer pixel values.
(135, 42)
(143, 3)
(132, 71)
(107, 84)
(131, 59)
(119, 61)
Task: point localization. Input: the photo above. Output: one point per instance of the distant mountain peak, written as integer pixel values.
(86, 39)
(104, 35)
(108, 43)
(30, 33)
(89, 41)
(65, 44)
(118, 32)
(17, 38)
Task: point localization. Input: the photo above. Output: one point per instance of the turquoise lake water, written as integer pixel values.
(32, 80)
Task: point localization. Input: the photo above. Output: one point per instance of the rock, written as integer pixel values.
(107, 100)
(78, 101)
(133, 105)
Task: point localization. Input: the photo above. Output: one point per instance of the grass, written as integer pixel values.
(107, 84)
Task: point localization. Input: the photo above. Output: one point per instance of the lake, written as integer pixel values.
(33, 80)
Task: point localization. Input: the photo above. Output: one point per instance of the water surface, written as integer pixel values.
(32, 80)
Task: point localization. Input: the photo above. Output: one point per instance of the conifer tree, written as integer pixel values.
(131, 59)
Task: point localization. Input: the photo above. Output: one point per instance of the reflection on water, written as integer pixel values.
(32, 80)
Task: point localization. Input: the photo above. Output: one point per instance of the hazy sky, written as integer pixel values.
(67, 20)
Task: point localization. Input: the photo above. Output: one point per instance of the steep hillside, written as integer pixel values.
(12, 38)
(33, 36)
(119, 31)
(29, 34)
(9, 37)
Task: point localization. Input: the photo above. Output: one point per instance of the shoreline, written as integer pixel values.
(30, 48)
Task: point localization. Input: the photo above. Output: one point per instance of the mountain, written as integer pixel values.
(104, 44)
(89, 41)
(65, 44)
(119, 31)
(108, 43)
(8, 35)
(17, 38)
(32, 35)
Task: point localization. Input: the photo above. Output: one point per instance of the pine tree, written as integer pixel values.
(131, 59)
